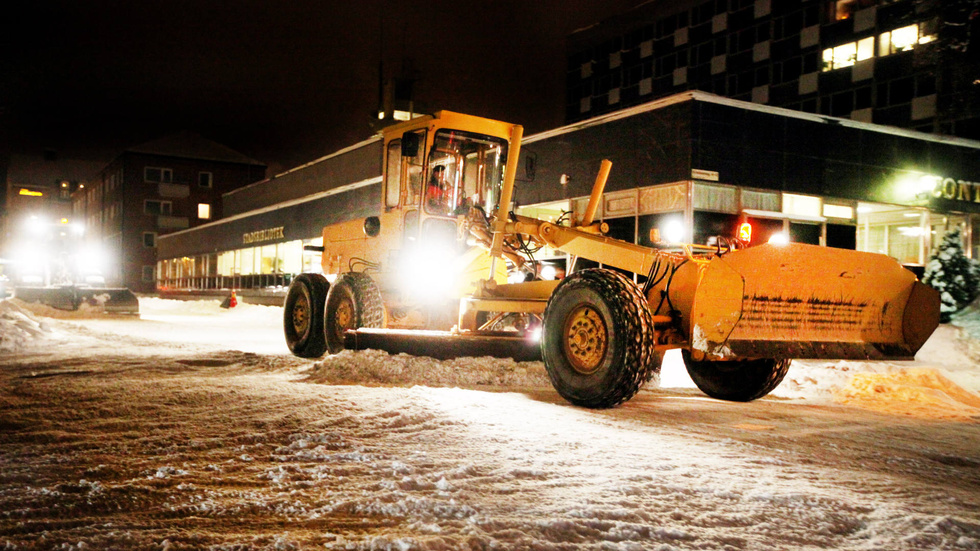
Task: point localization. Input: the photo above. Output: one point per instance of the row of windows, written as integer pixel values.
(165, 208)
(898, 40)
(158, 175)
(673, 32)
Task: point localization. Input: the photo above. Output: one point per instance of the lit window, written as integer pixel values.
(802, 205)
(866, 48)
(204, 211)
(840, 10)
(838, 211)
(902, 40)
(848, 54)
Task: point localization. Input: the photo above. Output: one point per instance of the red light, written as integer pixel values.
(745, 232)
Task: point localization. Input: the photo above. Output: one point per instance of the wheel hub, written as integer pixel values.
(301, 316)
(344, 316)
(585, 341)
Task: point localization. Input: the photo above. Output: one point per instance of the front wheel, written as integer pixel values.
(736, 381)
(302, 316)
(598, 339)
(354, 301)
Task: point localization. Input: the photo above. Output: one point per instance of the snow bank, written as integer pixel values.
(18, 326)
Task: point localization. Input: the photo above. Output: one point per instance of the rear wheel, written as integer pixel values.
(302, 317)
(598, 339)
(737, 381)
(354, 301)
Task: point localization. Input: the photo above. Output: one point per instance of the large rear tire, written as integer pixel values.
(598, 339)
(354, 301)
(302, 316)
(736, 381)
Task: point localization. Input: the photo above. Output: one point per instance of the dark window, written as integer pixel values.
(708, 225)
(158, 175)
(925, 85)
(901, 90)
(149, 239)
(157, 207)
(862, 98)
(842, 104)
(800, 232)
(841, 236)
(622, 228)
(205, 179)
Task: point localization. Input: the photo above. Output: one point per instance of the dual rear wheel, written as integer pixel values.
(316, 314)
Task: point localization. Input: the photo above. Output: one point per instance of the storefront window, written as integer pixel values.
(226, 263)
(246, 264)
(268, 263)
(292, 256)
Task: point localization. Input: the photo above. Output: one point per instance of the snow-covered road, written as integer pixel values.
(193, 429)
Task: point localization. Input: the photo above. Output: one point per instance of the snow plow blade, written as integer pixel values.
(111, 300)
(804, 301)
(444, 345)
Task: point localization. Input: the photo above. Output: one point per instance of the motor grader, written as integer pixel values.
(433, 274)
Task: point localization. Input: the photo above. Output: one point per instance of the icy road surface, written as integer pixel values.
(193, 428)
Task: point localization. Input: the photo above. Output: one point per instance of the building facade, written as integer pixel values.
(150, 190)
(692, 164)
(907, 63)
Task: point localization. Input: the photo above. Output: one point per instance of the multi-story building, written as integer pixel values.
(170, 184)
(907, 63)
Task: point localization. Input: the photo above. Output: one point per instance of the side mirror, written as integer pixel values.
(410, 144)
(372, 226)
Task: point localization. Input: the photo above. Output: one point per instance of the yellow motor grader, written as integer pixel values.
(429, 276)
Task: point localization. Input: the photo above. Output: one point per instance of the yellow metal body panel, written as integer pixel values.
(801, 301)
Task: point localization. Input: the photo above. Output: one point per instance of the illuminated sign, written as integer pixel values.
(263, 235)
(698, 174)
(959, 190)
(30, 193)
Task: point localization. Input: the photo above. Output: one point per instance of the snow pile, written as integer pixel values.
(920, 392)
(377, 367)
(18, 326)
(85, 310)
(158, 308)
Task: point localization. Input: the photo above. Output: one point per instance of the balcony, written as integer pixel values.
(172, 222)
(173, 190)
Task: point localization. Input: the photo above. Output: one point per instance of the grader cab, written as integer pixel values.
(429, 276)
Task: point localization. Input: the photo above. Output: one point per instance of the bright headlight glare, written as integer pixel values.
(779, 239)
(429, 275)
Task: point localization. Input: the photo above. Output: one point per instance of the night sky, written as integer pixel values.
(281, 81)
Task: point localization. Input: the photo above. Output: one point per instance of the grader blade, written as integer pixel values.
(804, 301)
(444, 345)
